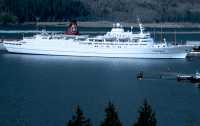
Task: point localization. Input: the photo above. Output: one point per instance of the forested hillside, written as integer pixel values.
(147, 10)
(111, 10)
(42, 10)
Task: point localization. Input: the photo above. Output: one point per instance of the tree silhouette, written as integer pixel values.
(111, 118)
(146, 116)
(79, 119)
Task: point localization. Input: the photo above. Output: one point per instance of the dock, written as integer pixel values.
(193, 43)
(192, 78)
(193, 54)
(196, 48)
(183, 77)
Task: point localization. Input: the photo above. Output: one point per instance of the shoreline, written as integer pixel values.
(109, 24)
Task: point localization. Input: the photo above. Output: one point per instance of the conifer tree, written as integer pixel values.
(111, 118)
(146, 116)
(79, 119)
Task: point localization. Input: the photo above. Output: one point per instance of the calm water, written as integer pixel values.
(43, 90)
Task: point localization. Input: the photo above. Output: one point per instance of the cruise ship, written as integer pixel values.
(115, 43)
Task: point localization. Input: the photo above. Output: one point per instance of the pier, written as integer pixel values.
(192, 78)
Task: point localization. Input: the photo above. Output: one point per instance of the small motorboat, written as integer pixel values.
(140, 75)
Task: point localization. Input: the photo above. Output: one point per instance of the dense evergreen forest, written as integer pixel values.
(41, 10)
(92, 10)
(147, 10)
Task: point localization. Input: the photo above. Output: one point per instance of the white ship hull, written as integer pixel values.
(116, 43)
(76, 49)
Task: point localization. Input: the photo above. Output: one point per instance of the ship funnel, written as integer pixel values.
(72, 29)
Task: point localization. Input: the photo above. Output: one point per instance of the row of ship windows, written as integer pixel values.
(112, 44)
(117, 41)
(13, 43)
(96, 40)
(107, 46)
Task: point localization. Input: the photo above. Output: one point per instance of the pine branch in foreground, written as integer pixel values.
(111, 118)
(79, 119)
(146, 116)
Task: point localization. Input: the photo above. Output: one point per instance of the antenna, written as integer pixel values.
(141, 26)
(165, 42)
(161, 34)
(138, 20)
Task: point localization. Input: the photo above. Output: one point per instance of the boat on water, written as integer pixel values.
(192, 78)
(116, 43)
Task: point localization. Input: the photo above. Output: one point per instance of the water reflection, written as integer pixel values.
(43, 89)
